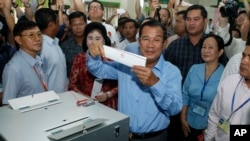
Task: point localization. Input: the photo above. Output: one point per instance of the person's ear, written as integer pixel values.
(221, 52)
(18, 40)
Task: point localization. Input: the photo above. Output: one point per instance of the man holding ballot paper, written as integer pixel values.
(149, 93)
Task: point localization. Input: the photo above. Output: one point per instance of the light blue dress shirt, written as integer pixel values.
(191, 93)
(56, 64)
(20, 78)
(149, 108)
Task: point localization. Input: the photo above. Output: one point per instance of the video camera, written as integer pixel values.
(230, 9)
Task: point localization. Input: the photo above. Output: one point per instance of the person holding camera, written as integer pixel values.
(228, 15)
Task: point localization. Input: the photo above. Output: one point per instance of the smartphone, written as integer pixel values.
(120, 11)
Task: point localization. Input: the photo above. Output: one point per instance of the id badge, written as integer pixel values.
(199, 109)
(224, 125)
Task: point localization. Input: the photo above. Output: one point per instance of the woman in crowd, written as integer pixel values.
(199, 88)
(81, 79)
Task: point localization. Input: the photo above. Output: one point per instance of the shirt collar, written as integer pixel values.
(199, 43)
(160, 64)
(50, 40)
(32, 61)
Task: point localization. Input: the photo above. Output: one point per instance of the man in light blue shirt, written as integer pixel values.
(48, 23)
(148, 95)
(25, 72)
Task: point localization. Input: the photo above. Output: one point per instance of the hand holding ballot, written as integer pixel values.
(145, 80)
(145, 75)
(118, 55)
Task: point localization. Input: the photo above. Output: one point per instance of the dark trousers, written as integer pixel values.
(161, 137)
(174, 129)
(194, 133)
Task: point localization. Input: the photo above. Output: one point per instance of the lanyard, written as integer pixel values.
(39, 74)
(232, 104)
(205, 82)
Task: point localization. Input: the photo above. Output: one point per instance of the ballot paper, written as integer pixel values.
(34, 101)
(124, 57)
(97, 87)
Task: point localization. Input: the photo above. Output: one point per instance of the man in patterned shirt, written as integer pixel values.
(73, 46)
(186, 51)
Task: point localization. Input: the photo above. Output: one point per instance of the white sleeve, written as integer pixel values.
(223, 32)
(213, 118)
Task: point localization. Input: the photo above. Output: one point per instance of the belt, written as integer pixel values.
(145, 135)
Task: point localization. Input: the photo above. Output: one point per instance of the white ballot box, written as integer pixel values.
(64, 121)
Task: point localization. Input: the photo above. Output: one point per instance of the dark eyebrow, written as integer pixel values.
(245, 54)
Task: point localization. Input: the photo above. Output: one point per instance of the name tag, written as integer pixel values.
(224, 125)
(199, 110)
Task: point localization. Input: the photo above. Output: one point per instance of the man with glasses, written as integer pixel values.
(25, 72)
(155, 90)
(95, 14)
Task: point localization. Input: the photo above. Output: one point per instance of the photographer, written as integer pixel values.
(224, 27)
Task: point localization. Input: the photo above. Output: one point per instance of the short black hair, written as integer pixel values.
(130, 20)
(242, 12)
(197, 7)
(77, 14)
(44, 16)
(121, 20)
(182, 12)
(23, 25)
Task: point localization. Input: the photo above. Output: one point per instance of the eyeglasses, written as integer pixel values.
(33, 35)
(94, 7)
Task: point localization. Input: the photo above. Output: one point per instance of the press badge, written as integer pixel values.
(224, 125)
(199, 109)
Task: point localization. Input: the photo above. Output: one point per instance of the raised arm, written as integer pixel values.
(19, 12)
(244, 29)
(80, 6)
(28, 10)
(9, 19)
(246, 4)
(110, 18)
(40, 4)
(138, 9)
(153, 4)
(60, 7)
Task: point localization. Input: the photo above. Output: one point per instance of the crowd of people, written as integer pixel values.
(196, 77)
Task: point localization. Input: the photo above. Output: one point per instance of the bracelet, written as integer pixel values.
(27, 6)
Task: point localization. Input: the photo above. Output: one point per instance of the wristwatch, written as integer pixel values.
(14, 4)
